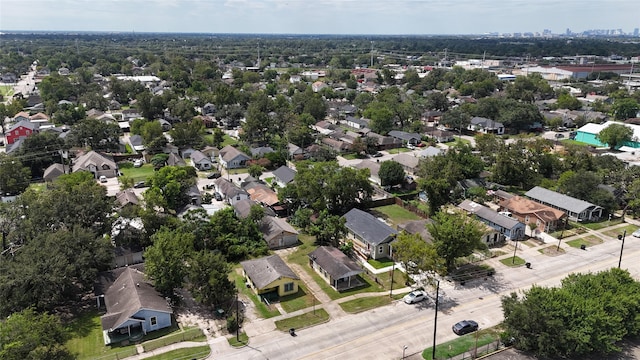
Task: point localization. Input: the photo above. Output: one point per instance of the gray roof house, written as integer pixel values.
(175, 160)
(430, 152)
(270, 275)
(96, 163)
(242, 208)
(335, 267)
(229, 191)
(486, 126)
(371, 237)
(409, 162)
(136, 142)
(134, 307)
(261, 151)
(374, 169)
(54, 170)
(576, 209)
(418, 227)
(284, 175)
(201, 161)
(278, 233)
(509, 228)
(357, 123)
(232, 158)
(409, 138)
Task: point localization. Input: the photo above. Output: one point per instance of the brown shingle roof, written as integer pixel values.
(265, 270)
(335, 262)
(523, 206)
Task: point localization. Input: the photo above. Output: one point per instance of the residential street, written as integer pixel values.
(383, 332)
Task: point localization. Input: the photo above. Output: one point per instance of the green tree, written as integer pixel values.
(416, 255)
(96, 134)
(169, 186)
(567, 101)
(328, 229)
(208, 275)
(150, 130)
(391, 173)
(456, 118)
(255, 170)
(28, 335)
(454, 236)
(218, 137)
(615, 135)
(381, 117)
(625, 108)
(14, 177)
(166, 259)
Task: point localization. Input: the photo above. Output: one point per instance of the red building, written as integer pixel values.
(20, 130)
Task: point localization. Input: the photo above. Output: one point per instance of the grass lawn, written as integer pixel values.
(244, 340)
(463, 344)
(586, 241)
(397, 214)
(198, 352)
(6, 90)
(186, 334)
(300, 300)
(551, 250)
(139, 174)
(88, 343)
(38, 186)
(302, 321)
(351, 156)
(379, 264)
(364, 304)
(263, 309)
(620, 231)
(602, 224)
(511, 261)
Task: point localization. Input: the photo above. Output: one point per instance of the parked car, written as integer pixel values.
(415, 296)
(559, 136)
(562, 128)
(137, 163)
(217, 196)
(213, 175)
(465, 327)
(140, 185)
(636, 233)
(103, 179)
(377, 155)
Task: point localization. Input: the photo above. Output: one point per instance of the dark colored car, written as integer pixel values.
(213, 175)
(217, 196)
(465, 327)
(378, 154)
(140, 184)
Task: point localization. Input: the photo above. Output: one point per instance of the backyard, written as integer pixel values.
(139, 174)
(395, 214)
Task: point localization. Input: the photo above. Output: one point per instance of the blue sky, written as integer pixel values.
(320, 16)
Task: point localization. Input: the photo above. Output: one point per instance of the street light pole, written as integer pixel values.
(435, 321)
(621, 237)
(403, 351)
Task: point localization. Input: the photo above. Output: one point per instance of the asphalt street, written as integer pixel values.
(382, 333)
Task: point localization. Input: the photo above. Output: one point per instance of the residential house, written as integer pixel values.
(136, 142)
(54, 170)
(485, 126)
(405, 137)
(186, 153)
(96, 163)
(318, 85)
(208, 109)
(576, 209)
(21, 116)
(242, 208)
(134, 307)
(283, 175)
(229, 191)
(125, 256)
(409, 162)
(441, 136)
(507, 228)
(126, 198)
(385, 142)
(371, 237)
(212, 152)
(175, 160)
(201, 161)
(269, 276)
(417, 227)
(194, 195)
(261, 193)
(294, 150)
(430, 151)
(335, 268)
(374, 169)
(21, 130)
(431, 115)
(336, 145)
(324, 127)
(165, 125)
(545, 218)
(278, 233)
(260, 152)
(357, 123)
(232, 158)
(130, 115)
(171, 149)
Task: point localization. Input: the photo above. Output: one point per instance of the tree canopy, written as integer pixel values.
(455, 235)
(615, 135)
(391, 173)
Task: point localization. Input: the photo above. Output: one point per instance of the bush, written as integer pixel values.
(125, 165)
(232, 324)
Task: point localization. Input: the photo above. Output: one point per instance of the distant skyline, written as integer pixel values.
(367, 17)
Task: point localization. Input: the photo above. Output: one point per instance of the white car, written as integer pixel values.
(414, 296)
(636, 233)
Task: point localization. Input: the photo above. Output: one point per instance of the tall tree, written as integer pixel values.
(391, 173)
(615, 135)
(455, 235)
(416, 255)
(166, 259)
(208, 275)
(14, 177)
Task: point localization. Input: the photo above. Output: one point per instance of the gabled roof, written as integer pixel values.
(55, 170)
(558, 200)
(93, 158)
(197, 156)
(175, 160)
(284, 174)
(227, 188)
(129, 294)
(373, 166)
(261, 193)
(430, 151)
(487, 214)
(418, 227)
(264, 271)
(135, 140)
(127, 197)
(272, 226)
(26, 124)
(485, 123)
(335, 262)
(261, 151)
(368, 227)
(407, 160)
(242, 208)
(403, 135)
(229, 153)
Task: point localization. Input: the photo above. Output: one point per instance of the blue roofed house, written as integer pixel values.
(371, 237)
(506, 228)
(576, 209)
(134, 307)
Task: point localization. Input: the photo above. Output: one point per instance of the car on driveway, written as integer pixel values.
(217, 196)
(415, 296)
(465, 327)
(213, 175)
(636, 233)
(377, 155)
(140, 185)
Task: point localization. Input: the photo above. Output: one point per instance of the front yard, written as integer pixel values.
(307, 319)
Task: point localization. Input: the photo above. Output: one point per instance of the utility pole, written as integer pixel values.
(621, 237)
(237, 319)
(393, 268)
(513, 260)
(435, 321)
